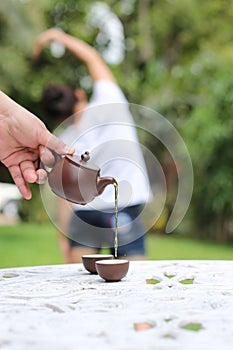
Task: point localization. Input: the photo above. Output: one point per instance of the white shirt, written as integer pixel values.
(107, 130)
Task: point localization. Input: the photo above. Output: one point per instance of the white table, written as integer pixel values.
(63, 307)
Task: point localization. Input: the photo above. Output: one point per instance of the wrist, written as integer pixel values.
(5, 102)
(60, 36)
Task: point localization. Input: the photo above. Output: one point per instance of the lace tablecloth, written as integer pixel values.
(159, 305)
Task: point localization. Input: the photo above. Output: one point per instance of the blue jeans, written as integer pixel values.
(96, 229)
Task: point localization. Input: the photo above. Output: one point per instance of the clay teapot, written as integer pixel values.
(77, 180)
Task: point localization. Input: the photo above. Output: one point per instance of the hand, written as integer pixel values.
(44, 39)
(24, 140)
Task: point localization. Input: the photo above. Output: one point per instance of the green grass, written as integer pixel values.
(37, 244)
(29, 244)
(179, 248)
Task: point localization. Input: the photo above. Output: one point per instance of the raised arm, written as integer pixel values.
(83, 51)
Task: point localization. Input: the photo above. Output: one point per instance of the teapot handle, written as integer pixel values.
(56, 158)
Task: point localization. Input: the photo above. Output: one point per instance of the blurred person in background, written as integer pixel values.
(105, 127)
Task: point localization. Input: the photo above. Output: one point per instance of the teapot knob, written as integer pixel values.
(85, 156)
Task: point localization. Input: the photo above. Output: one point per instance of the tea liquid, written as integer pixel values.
(116, 219)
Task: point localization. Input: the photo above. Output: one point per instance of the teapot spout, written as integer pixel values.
(102, 182)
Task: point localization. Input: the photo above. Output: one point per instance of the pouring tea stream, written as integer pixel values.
(77, 180)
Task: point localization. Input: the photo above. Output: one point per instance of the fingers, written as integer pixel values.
(17, 176)
(28, 171)
(45, 138)
(46, 156)
(19, 156)
(24, 173)
(30, 174)
(41, 176)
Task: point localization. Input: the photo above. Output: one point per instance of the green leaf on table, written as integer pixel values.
(192, 327)
(169, 275)
(10, 275)
(152, 281)
(187, 281)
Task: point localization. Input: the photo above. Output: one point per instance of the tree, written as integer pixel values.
(178, 59)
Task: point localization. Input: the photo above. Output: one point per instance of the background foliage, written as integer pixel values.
(178, 61)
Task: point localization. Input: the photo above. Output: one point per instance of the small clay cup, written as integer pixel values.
(90, 259)
(112, 270)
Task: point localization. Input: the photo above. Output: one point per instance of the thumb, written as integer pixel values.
(45, 138)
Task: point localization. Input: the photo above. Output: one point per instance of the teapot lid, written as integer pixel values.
(82, 161)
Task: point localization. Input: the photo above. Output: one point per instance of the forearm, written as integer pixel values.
(65, 248)
(79, 48)
(88, 55)
(3, 104)
(83, 51)
(9, 106)
(64, 214)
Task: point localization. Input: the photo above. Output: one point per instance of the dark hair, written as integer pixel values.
(59, 101)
